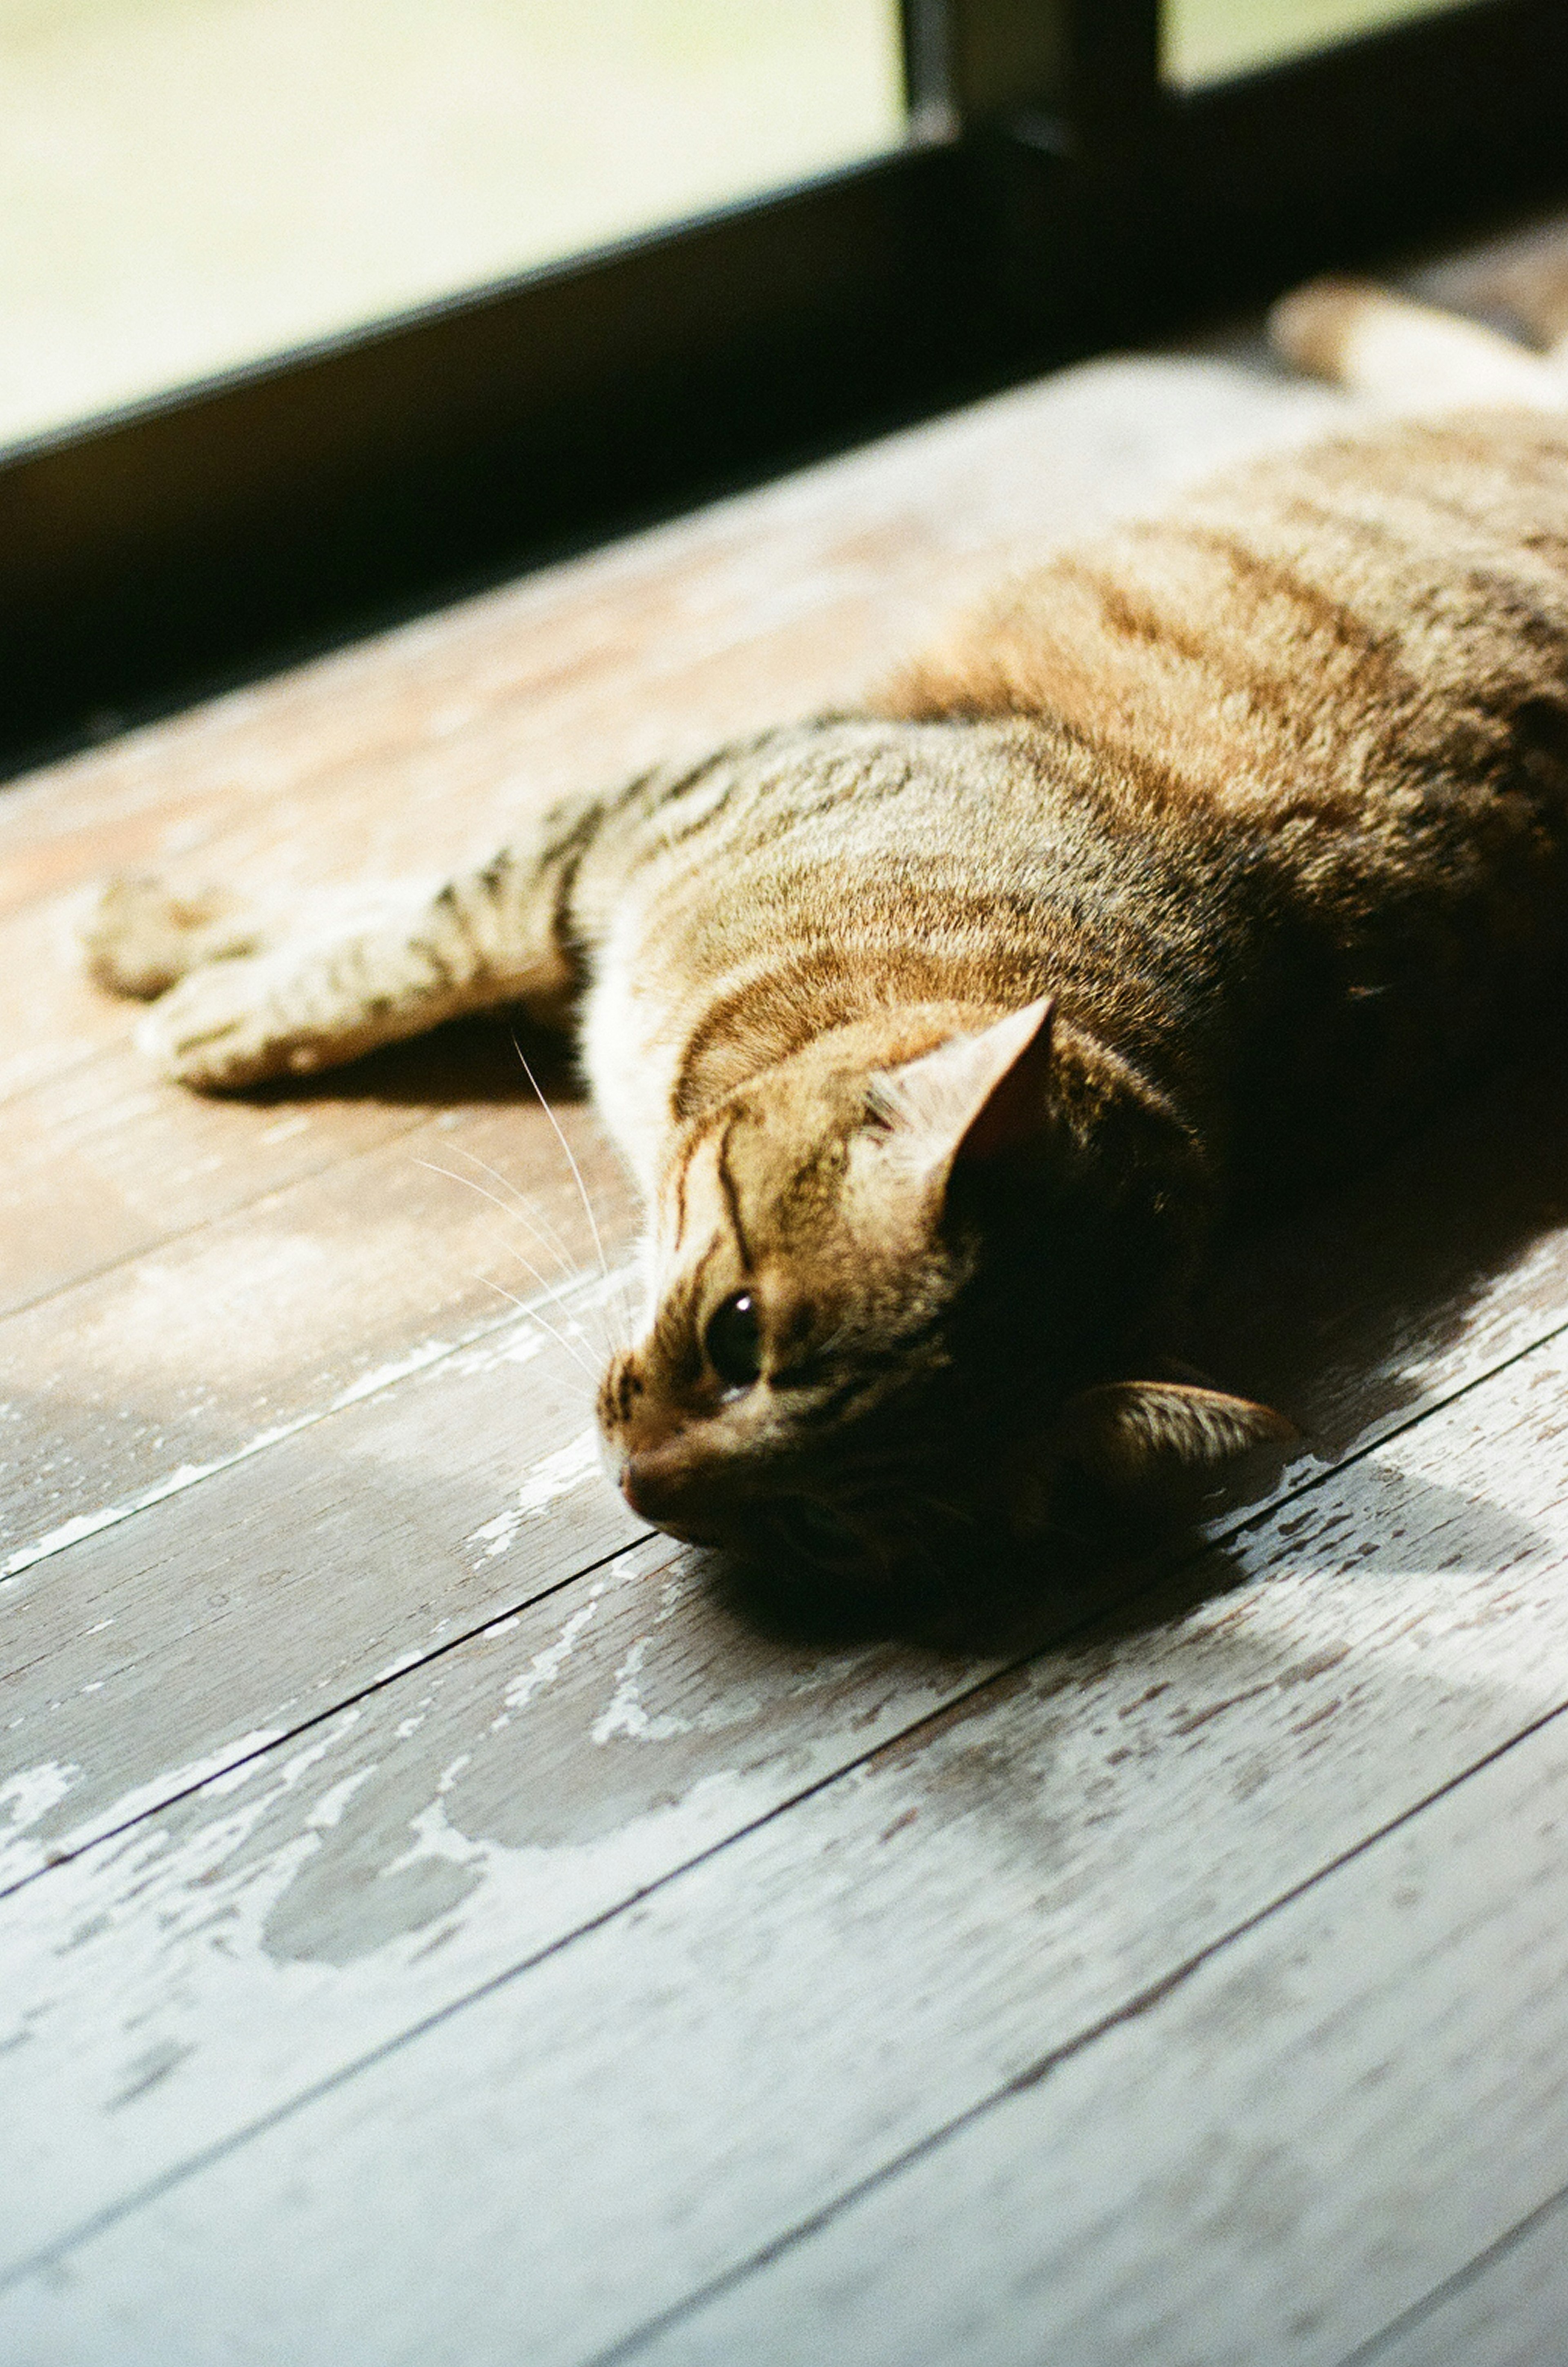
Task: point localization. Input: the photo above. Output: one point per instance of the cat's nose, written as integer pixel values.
(658, 1485)
(650, 1482)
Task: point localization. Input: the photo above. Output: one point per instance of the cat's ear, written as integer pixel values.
(974, 1096)
(1131, 1434)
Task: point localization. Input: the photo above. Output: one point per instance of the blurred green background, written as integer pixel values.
(185, 185)
(1206, 39)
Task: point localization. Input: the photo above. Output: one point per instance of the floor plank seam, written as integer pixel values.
(239, 1209)
(1366, 2353)
(189, 1232)
(380, 1684)
(71, 1068)
(84, 1527)
(1151, 1994)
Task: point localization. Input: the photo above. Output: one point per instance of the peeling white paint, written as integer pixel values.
(625, 1714)
(395, 1668)
(26, 1796)
(384, 1375)
(328, 1810)
(546, 1666)
(555, 1477)
(518, 1340)
(32, 1787)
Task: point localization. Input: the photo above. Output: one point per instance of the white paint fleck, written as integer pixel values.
(34, 1791)
(625, 1714)
(384, 1375)
(395, 1668)
(328, 1810)
(555, 1477)
(546, 1666)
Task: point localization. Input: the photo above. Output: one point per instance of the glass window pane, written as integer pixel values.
(185, 185)
(1204, 40)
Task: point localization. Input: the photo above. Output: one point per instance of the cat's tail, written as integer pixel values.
(1410, 357)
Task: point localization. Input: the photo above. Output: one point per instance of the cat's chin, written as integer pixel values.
(695, 1533)
(788, 1530)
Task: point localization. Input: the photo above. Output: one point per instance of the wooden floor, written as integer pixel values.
(442, 1927)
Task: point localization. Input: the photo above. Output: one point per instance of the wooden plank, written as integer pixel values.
(109, 1159)
(136, 1382)
(1294, 2142)
(483, 1808)
(1507, 2309)
(288, 1580)
(642, 2111)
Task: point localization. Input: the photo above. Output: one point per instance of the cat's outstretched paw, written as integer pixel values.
(140, 937)
(226, 1026)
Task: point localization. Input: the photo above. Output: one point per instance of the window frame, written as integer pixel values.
(1054, 197)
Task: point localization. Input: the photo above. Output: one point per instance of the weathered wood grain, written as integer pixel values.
(639, 2113)
(1507, 2309)
(1293, 2143)
(140, 1380)
(287, 1580)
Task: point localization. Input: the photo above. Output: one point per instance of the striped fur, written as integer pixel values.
(942, 1035)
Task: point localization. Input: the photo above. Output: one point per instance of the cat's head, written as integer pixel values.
(890, 1280)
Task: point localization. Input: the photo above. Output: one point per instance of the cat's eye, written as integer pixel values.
(733, 1341)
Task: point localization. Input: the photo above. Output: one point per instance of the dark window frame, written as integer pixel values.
(1054, 197)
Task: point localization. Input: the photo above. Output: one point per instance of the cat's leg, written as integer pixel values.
(349, 973)
(1409, 356)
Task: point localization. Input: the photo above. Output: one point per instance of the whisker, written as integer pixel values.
(539, 1224)
(576, 1171)
(509, 1250)
(534, 1316)
(616, 1281)
(548, 1238)
(548, 1286)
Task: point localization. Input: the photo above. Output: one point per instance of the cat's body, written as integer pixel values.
(941, 1036)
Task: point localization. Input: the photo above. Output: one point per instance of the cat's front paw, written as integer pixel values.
(140, 937)
(221, 1028)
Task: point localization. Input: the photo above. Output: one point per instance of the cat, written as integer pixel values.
(943, 1037)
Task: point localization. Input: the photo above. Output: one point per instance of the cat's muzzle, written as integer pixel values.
(662, 1484)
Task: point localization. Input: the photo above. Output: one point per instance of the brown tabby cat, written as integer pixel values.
(941, 1035)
